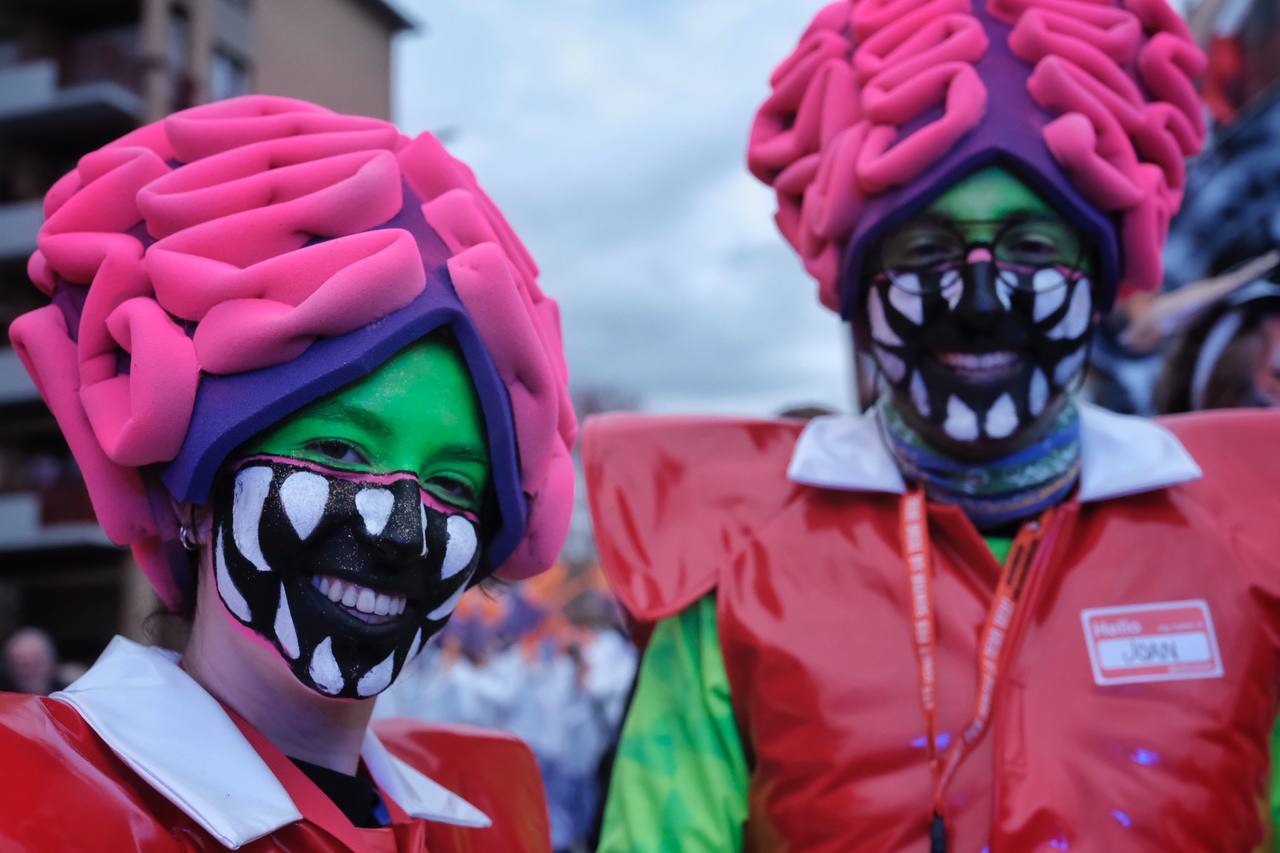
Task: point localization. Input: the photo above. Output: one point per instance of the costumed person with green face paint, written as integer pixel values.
(985, 615)
(309, 376)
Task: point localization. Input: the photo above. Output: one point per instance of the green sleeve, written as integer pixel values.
(1275, 787)
(680, 777)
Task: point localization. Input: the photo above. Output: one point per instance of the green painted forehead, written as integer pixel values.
(990, 193)
(418, 412)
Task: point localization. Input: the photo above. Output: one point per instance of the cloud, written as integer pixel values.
(613, 137)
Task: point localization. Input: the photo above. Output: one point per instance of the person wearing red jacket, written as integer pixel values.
(984, 615)
(310, 379)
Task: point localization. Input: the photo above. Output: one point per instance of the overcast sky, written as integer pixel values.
(612, 134)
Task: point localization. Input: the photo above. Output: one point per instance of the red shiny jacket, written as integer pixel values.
(815, 630)
(67, 790)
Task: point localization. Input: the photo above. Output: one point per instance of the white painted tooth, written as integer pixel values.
(1010, 281)
(350, 594)
(381, 604)
(304, 496)
(1038, 393)
(961, 423)
(324, 668)
(461, 547)
(231, 595)
(952, 284)
(881, 331)
(377, 679)
(1076, 321)
(1002, 418)
(366, 599)
(248, 496)
(336, 590)
(907, 304)
(1047, 279)
(414, 646)
(286, 633)
(1049, 298)
(375, 508)
(422, 515)
(920, 394)
(445, 609)
(1068, 368)
(893, 367)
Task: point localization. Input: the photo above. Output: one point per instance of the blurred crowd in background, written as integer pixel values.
(550, 660)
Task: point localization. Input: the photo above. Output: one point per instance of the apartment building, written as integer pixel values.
(73, 76)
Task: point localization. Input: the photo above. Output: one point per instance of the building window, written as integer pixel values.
(228, 77)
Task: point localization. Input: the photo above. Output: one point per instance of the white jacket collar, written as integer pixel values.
(177, 737)
(1120, 455)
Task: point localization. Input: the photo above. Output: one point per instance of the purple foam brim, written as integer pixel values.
(230, 410)
(1010, 135)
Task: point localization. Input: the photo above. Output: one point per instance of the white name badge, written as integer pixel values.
(1163, 641)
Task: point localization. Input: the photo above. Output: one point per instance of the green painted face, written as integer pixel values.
(418, 413)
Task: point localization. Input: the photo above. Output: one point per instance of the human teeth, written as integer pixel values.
(336, 589)
(350, 595)
(978, 360)
(360, 598)
(365, 600)
(381, 604)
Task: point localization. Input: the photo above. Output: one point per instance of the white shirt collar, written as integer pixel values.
(177, 737)
(1120, 455)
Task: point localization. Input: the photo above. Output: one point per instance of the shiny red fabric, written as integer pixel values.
(814, 625)
(66, 790)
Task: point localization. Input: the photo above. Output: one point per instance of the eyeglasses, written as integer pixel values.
(935, 245)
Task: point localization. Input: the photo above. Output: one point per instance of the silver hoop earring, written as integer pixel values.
(187, 537)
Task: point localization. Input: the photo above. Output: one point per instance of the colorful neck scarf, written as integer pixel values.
(998, 492)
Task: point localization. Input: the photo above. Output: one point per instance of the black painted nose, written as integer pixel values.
(400, 541)
(980, 304)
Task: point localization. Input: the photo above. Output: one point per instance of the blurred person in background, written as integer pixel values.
(545, 660)
(311, 380)
(985, 614)
(31, 663)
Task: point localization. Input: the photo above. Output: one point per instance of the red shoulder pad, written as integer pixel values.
(494, 771)
(673, 498)
(1237, 449)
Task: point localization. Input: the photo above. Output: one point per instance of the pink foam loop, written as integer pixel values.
(49, 355)
(916, 42)
(141, 417)
(1073, 142)
(40, 273)
(833, 202)
(522, 334)
(266, 174)
(1040, 33)
(239, 334)
(223, 125)
(887, 161)
(1168, 66)
(871, 16)
(106, 200)
(382, 268)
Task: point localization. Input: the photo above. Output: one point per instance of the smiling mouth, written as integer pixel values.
(981, 366)
(361, 602)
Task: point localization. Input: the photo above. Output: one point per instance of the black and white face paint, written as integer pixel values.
(980, 348)
(346, 574)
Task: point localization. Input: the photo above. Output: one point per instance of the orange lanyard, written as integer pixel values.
(917, 558)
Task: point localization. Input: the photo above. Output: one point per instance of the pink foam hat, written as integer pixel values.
(214, 272)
